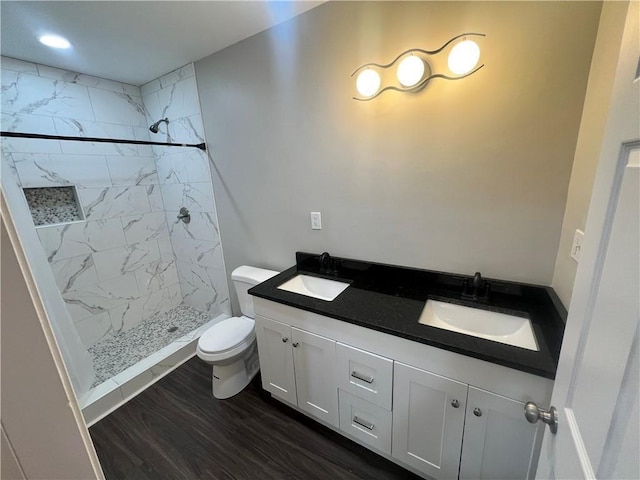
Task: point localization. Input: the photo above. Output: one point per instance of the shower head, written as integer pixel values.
(154, 127)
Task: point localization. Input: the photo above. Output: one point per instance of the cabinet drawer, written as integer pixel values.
(365, 421)
(365, 375)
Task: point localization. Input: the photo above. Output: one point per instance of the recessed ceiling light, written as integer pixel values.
(54, 41)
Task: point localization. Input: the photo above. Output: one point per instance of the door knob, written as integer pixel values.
(532, 413)
(285, 340)
(295, 344)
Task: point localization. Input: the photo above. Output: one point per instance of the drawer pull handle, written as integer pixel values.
(455, 403)
(359, 376)
(477, 412)
(363, 423)
(285, 339)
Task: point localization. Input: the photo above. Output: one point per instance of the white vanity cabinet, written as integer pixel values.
(428, 421)
(442, 427)
(498, 443)
(314, 360)
(299, 367)
(365, 375)
(437, 413)
(365, 386)
(365, 421)
(276, 359)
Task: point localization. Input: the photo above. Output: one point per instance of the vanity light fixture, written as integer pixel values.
(54, 41)
(410, 70)
(463, 57)
(368, 82)
(414, 72)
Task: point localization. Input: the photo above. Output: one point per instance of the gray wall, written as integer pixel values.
(594, 119)
(463, 176)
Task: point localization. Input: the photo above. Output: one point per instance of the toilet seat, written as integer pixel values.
(226, 339)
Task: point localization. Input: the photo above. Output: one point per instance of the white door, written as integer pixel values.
(498, 442)
(316, 383)
(428, 418)
(596, 388)
(276, 358)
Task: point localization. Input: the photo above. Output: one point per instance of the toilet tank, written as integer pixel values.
(244, 278)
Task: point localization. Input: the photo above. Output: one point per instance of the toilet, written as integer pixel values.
(230, 345)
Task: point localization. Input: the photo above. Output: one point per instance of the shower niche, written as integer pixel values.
(53, 205)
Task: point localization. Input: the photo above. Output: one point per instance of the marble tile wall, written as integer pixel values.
(118, 267)
(185, 181)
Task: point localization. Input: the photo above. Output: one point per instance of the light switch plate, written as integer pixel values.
(316, 221)
(576, 246)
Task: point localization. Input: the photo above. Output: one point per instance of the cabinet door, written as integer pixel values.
(428, 419)
(276, 358)
(315, 359)
(498, 443)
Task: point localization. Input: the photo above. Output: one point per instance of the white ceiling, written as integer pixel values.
(135, 41)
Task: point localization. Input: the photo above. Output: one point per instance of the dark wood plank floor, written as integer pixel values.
(177, 430)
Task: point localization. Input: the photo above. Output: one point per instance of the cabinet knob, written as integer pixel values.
(285, 340)
(295, 344)
(455, 403)
(477, 412)
(532, 413)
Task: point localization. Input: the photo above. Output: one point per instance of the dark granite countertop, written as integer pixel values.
(390, 299)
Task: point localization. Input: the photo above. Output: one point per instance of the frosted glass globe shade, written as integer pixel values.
(463, 57)
(368, 82)
(410, 71)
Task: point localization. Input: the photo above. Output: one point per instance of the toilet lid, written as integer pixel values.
(226, 334)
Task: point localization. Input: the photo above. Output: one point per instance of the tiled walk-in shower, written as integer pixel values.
(123, 350)
(130, 278)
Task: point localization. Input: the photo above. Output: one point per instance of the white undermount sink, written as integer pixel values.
(315, 287)
(498, 327)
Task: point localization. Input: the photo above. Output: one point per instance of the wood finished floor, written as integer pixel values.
(177, 430)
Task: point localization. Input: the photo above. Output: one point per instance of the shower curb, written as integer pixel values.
(118, 390)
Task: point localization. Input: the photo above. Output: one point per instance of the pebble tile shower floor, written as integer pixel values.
(117, 353)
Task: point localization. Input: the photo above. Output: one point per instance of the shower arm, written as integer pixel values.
(154, 128)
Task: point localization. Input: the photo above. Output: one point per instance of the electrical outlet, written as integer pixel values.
(577, 245)
(316, 221)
